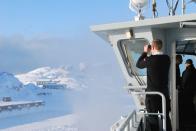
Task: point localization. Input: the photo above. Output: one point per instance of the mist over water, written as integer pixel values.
(104, 101)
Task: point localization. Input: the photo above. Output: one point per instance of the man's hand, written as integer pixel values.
(147, 49)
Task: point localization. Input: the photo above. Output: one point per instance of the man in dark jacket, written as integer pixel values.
(157, 65)
(179, 89)
(178, 76)
(189, 88)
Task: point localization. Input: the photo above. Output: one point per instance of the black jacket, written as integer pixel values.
(178, 77)
(157, 71)
(189, 80)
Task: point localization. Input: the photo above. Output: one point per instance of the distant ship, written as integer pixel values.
(50, 84)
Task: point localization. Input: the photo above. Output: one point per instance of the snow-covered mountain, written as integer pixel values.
(8, 80)
(62, 74)
(9, 85)
(23, 86)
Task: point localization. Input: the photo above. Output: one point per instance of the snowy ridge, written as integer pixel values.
(22, 89)
(9, 81)
(61, 74)
(10, 86)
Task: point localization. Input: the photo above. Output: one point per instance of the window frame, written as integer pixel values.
(126, 61)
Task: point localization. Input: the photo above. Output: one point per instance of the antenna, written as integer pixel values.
(154, 10)
(137, 6)
(183, 7)
(172, 7)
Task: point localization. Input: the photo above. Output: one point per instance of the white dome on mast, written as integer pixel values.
(136, 6)
(140, 3)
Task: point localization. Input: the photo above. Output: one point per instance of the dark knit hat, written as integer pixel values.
(189, 61)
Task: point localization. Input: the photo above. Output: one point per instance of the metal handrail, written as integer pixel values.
(117, 124)
(127, 121)
(124, 123)
(121, 125)
(163, 105)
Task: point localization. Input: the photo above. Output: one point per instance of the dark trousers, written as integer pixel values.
(187, 114)
(154, 105)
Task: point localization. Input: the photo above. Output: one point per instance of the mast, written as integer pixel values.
(183, 7)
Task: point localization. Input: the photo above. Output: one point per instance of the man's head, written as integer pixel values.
(188, 62)
(178, 59)
(156, 45)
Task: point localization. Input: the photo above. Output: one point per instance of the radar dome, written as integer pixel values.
(139, 3)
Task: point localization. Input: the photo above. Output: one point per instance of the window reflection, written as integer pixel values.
(131, 51)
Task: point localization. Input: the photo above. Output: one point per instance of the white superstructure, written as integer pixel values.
(127, 40)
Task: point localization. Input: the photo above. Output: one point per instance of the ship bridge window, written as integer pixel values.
(131, 49)
(187, 47)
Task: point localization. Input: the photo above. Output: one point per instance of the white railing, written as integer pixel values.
(125, 124)
(163, 114)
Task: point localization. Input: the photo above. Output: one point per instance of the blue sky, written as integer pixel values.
(57, 16)
(35, 33)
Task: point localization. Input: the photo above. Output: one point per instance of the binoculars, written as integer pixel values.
(149, 46)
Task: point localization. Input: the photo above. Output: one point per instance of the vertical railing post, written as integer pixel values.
(128, 127)
(144, 122)
(164, 111)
